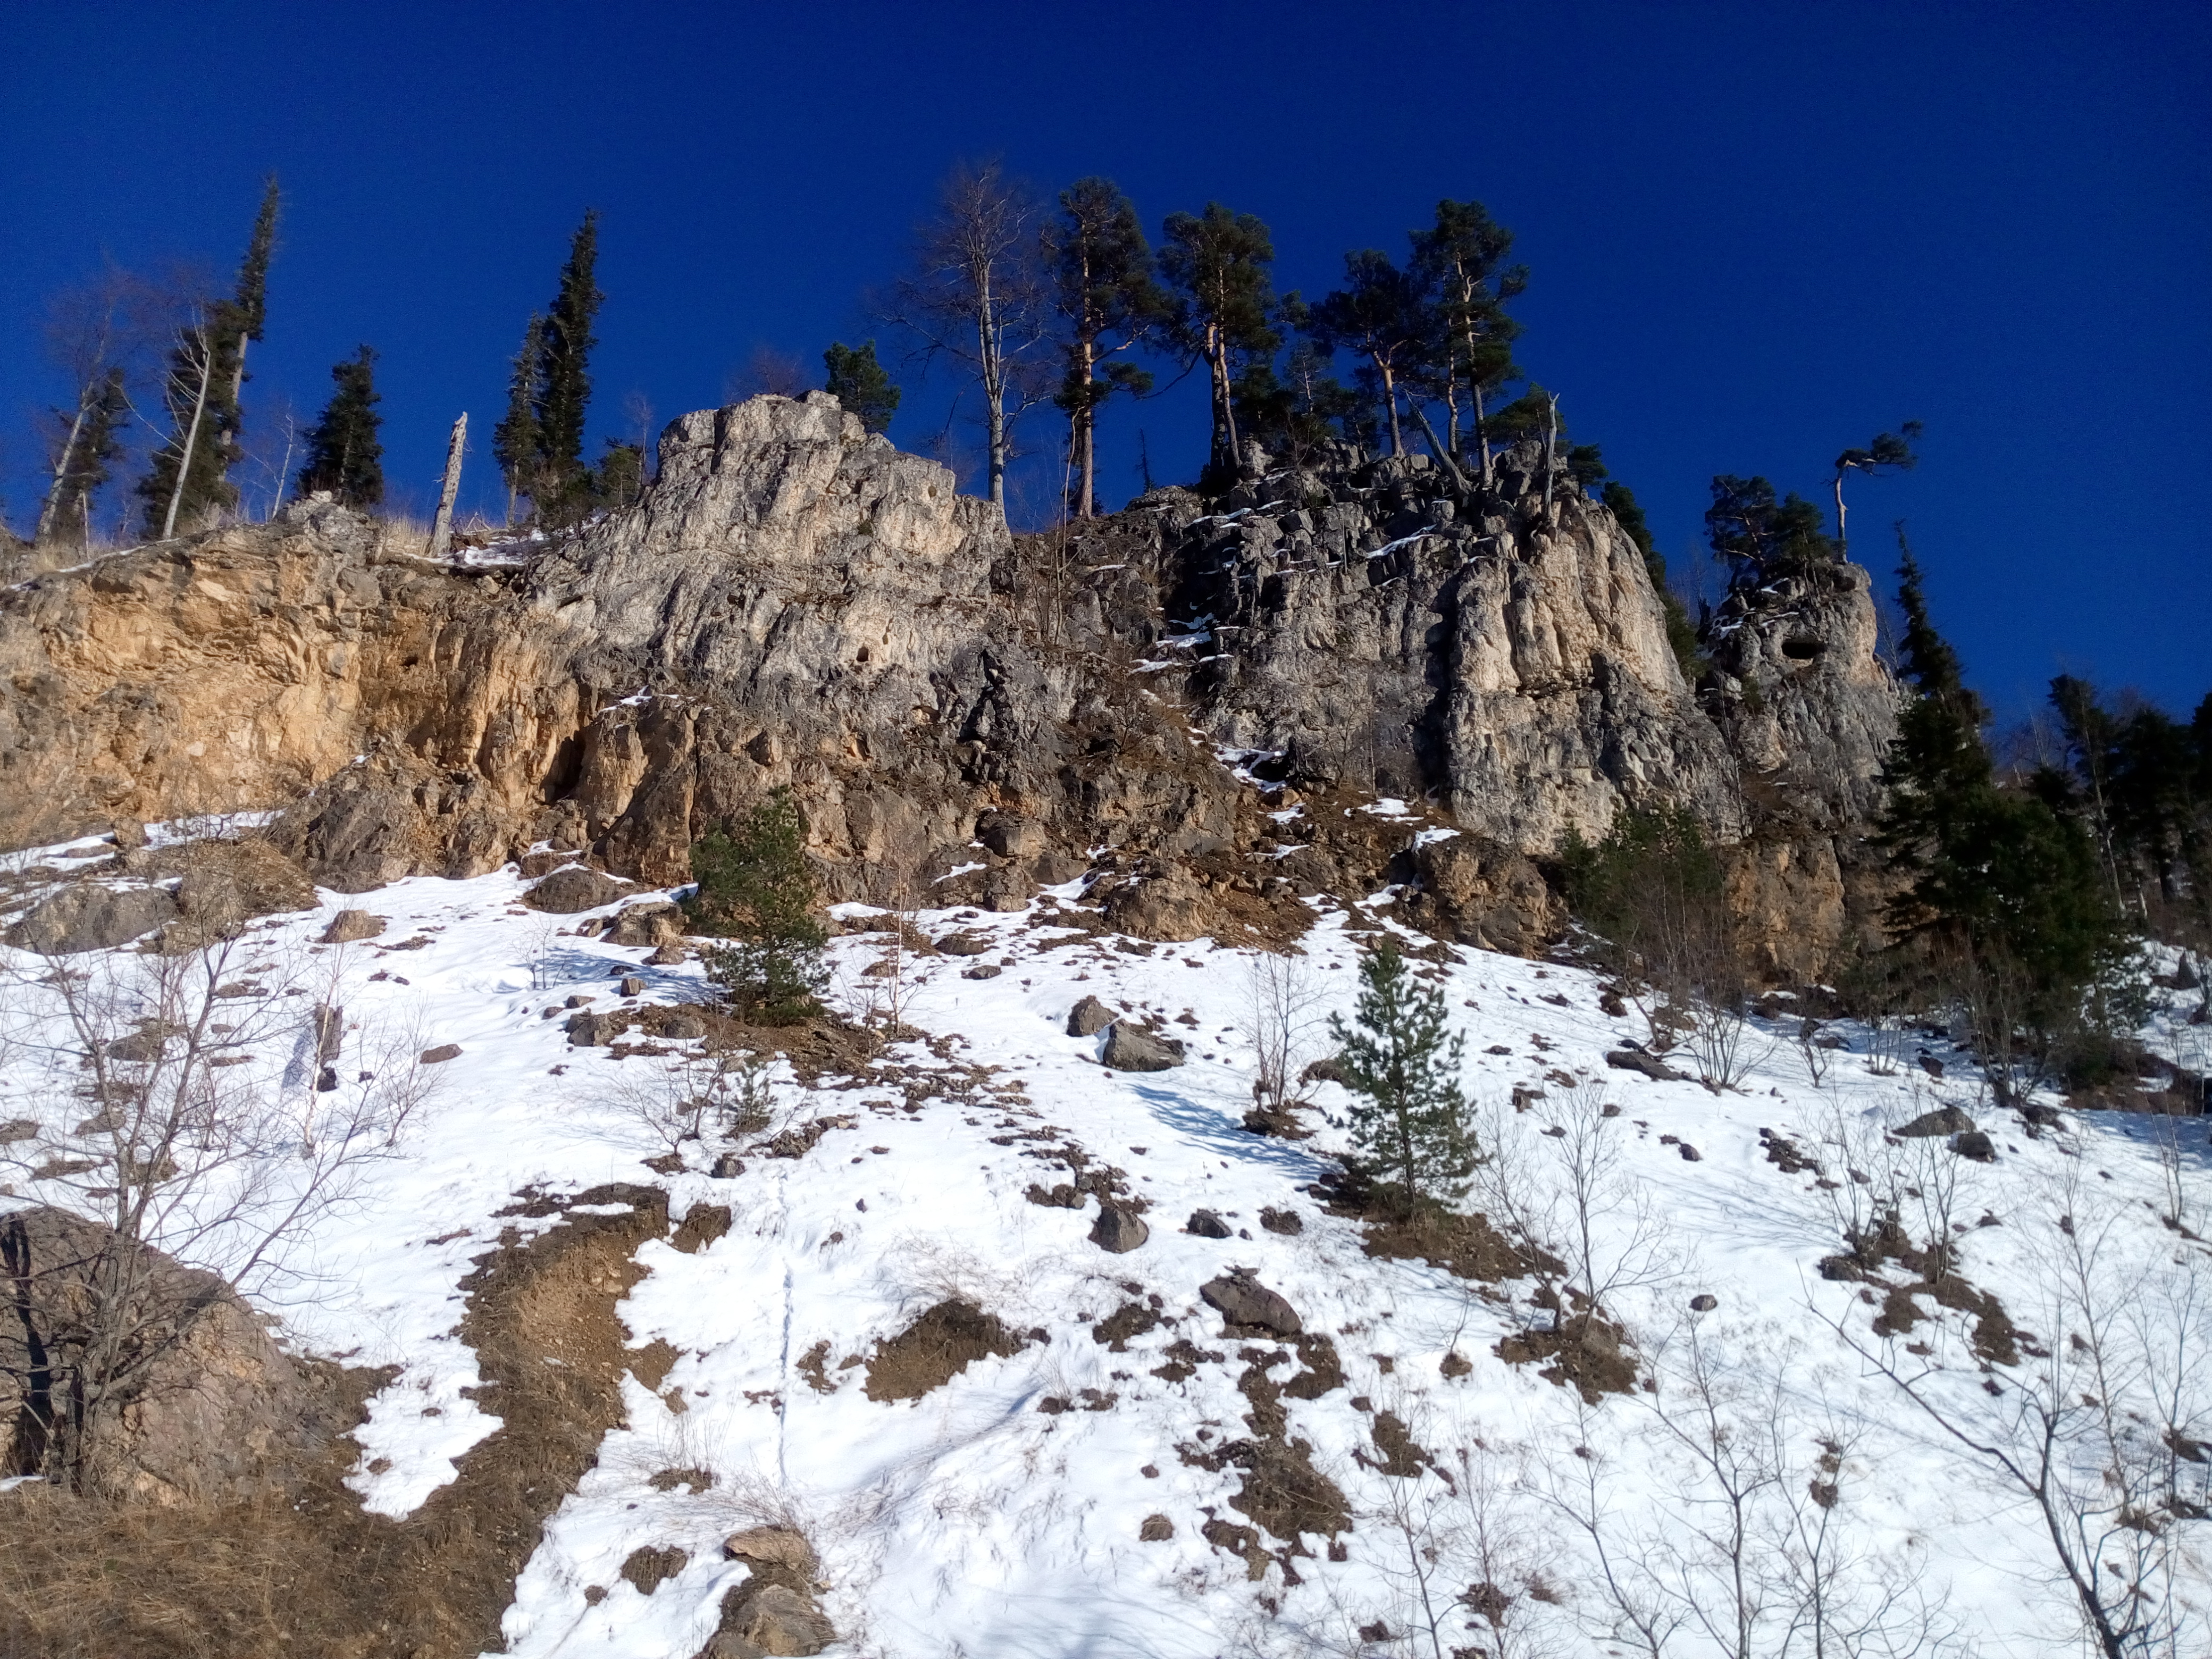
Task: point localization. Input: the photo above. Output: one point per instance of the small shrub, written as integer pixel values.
(755, 891)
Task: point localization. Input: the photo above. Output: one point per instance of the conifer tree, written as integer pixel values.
(1762, 539)
(1218, 264)
(514, 440)
(1463, 257)
(190, 481)
(89, 440)
(1890, 451)
(860, 383)
(345, 454)
(756, 890)
(563, 381)
(1408, 1120)
(1101, 268)
(1382, 313)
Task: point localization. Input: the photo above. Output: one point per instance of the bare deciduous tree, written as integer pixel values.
(977, 296)
(177, 1137)
(1283, 1011)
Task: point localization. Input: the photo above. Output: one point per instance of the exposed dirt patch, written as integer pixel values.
(1467, 1246)
(1131, 1319)
(936, 1349)
(1584, 1349)
(84, 1579)
(647, 1569)
(1934, 1275)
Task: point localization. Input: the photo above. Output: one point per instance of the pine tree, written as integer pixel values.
(514, 440)
(1463, 257)
(1762, 539)
(1217, 265)
(1382, 313)
(563, 381)
(345, 455)
(1408, 1120)
(190, 482)
(756, 889)
(1890, 451)
(859, 382)
(1101, 268)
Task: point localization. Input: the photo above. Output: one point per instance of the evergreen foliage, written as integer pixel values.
(514, 440)
(91, 441)
(1461, 257)
(860, 383)
(561, 386)
(1218, 266)
(345, 453)
(1763, 540)
(755, 888)
(1100, 268)
(1651, 889)
(1383, 314)
(1408, 1120)
(619, 479)
(2003, 905)
(1890, 451)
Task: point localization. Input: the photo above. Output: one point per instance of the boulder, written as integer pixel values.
(442, 1054)
(773, 1546)
(1011, 837)
(1476, 892)
(1166, 903)
(962, 945)
(1975, 1145)
(1118, 1231)
(1651, 1066)
(1943, 1121)
(1133, 1048)
(639, 926)
(1088, 1018)
(1206, 1225)
(1247, 1308)
(350, 927)
(89, 917)
(222, 1415)
(572, 888)
(764, 1619)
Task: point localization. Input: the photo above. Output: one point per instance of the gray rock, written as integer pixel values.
(962, 945)
(89, 917)
(1651, 1066)
(1702, 1304)
(728, 1166)
(1133, 1048)
(130, 834)
(639, 925)
(1088, 1018)
(1206, 1225)
(1943, 1121)
(1247, 1306)
(760, 1619)
(1012, 838)
(1975, 1144)
(1155, 1529)
(1117, 1230)
(349, 926)
(567, 891)
(632, 985)
(773, 1546)
(442, 1054)
(983, 970)
(681, 1025)
(17, 1128)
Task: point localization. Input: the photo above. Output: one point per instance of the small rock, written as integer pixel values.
(772, 1546)
(1286, 1222)
(575, 887)
(1931, 1064)
(728, 1166)
(1206, 1225)
(17, 1128)
(1704, 1303)
(442, 1054)
(86, 917)
(632, 985)
(962, 945)
(1943, 1121)
(1690, 1154)
(669, 955)
(1635, 1060)
(349, 927)
(130, 834)
(1975, 1145)
(770, 1618)
(1088, 1018)
(1132, 1049)
(983, 970)
(678, 1026)
(1155, 1529)
(1243, 1301)
(1118, 1231)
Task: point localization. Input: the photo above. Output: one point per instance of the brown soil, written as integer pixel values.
(936, 1349)
(1586, 1350)
(1995, 1338)
(84, 1579)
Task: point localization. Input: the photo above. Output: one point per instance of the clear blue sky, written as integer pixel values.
(1757, 232)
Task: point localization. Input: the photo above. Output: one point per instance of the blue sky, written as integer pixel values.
(1756, 233)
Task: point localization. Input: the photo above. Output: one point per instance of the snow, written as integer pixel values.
(970, 1521)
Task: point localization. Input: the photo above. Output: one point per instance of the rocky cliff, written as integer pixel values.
(794, 602)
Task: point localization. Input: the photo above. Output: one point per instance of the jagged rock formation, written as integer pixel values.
(793, 602)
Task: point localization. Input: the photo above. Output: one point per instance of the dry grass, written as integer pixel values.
(84, 1579)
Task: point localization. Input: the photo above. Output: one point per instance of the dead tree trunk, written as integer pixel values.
(192, 437)
(442, 532)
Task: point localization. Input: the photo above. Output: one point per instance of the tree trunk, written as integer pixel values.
(192, 438)
(441, 530)
(52, 510)
(1442, 454)
(1389, 397)
(1843, 540)
(1225, 409)
(1551, 450)
(1087, 419)
(1482, 437)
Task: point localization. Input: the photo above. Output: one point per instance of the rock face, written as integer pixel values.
(91, 917)
(218, 1415)
(794, 603)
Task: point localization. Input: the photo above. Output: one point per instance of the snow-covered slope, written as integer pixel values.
(1005, 1512)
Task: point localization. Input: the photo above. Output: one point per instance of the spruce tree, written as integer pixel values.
(189, 484)
(91, 441)
(756, 890)
(1408, 1121)
(345, 454)
(860, 383)
(564, 388)
(1217, 265)
(514, 440)
(1101, 270)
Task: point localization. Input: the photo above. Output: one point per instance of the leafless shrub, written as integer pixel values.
(1283, 1011)
(177, 1137)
